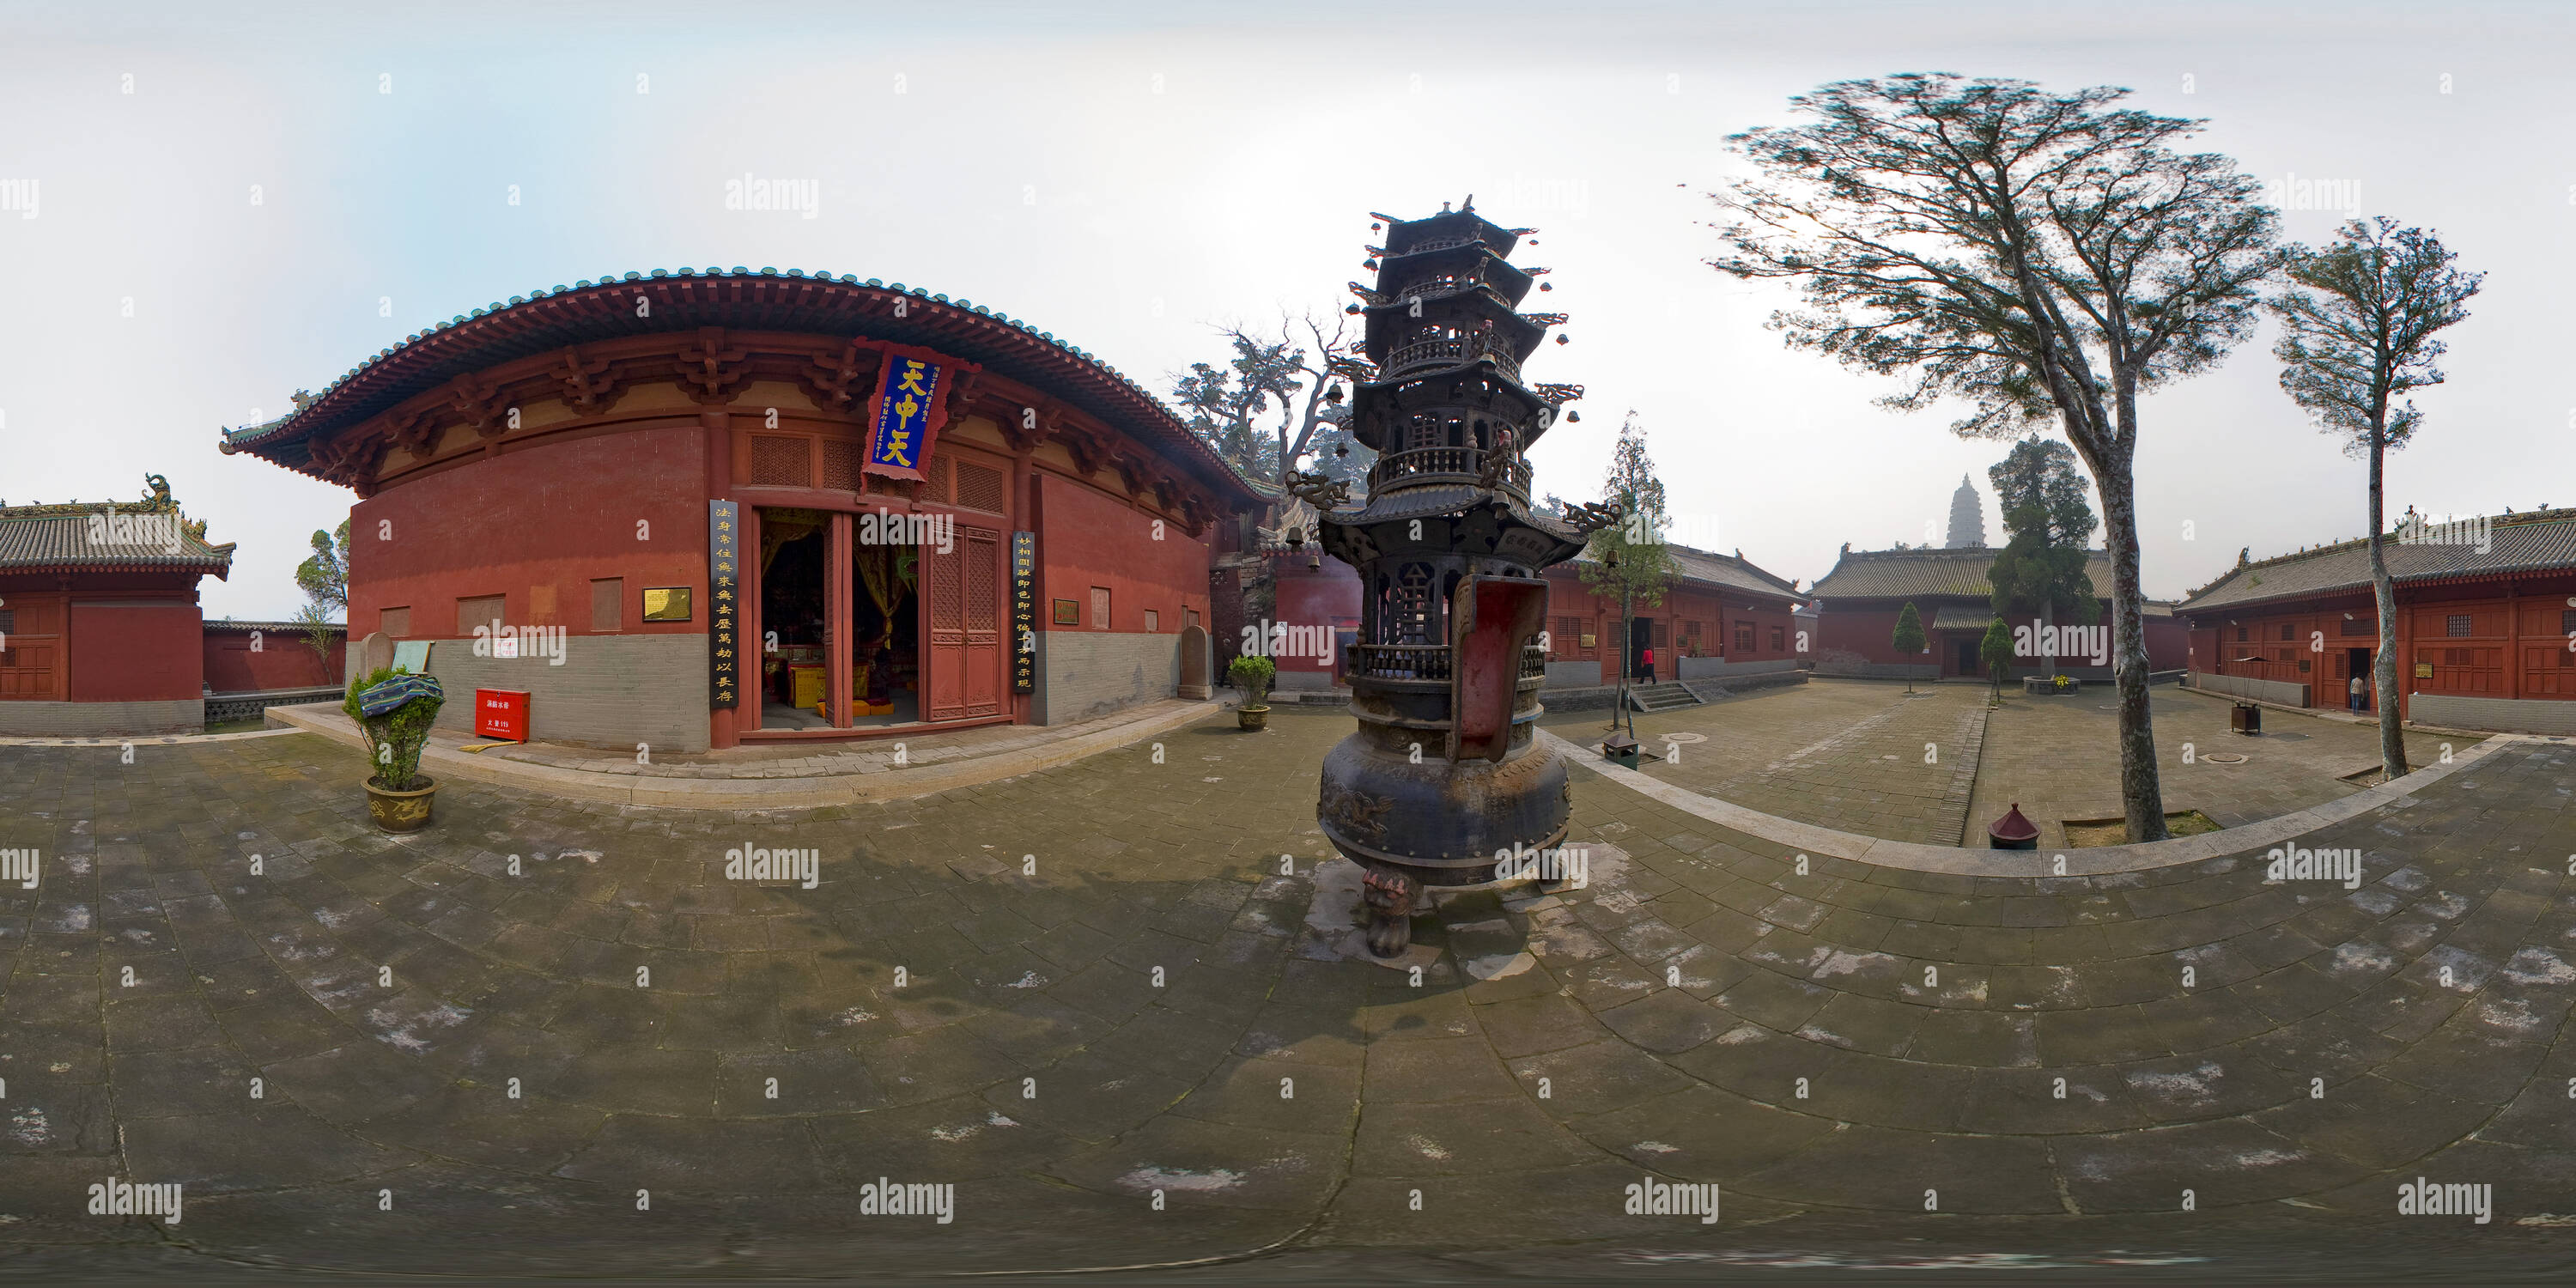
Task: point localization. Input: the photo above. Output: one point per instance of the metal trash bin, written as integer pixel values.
(2246, 718)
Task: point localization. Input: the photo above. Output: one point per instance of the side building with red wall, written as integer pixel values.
(99, 622)
(1720, 615)
(1859, 602)
(2486, 638)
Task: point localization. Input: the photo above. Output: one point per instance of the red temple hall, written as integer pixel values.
(693, 509)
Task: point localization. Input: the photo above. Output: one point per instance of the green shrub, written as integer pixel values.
(394, 739)
(1253, 676)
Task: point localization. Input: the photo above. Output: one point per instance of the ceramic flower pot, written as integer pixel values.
(401, 811)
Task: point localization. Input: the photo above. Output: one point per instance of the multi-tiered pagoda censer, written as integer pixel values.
(1442, 775)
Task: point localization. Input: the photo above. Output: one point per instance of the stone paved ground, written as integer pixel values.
(2056, 756)
(1850, 754)
(1827, 1045)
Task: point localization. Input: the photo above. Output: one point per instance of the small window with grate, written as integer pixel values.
(8, 620)
(1779, 638)
(2456, 625)
(979, 487)
(2244, 634)
(841, 465)
(781, 461)
(2288, 632)
(2357, 626)
(2567, 621)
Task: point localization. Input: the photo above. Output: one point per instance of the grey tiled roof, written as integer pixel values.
(1915, 574)
(57, 536)
(2542, 539)
(1961, 617)
(1734, 572)
(270, 628)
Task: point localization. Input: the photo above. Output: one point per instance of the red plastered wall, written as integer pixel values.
(552, 515)
(135, 654)
(282, 661)
(1320, 597)
(1088, 538)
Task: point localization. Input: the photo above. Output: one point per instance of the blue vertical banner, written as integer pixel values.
(1024, 612)
(724, 605)
(908, 413)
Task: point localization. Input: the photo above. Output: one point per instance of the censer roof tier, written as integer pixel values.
(1449, 227)
(1471, 387)
(1471, 265)
(1455, 521)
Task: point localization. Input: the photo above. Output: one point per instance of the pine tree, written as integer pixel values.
(1629, 560)
(1909, 639)
(2357, 334)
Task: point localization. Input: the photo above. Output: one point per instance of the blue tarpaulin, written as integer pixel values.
(393, 693)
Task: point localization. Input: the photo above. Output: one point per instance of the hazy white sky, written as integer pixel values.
(1126, 175)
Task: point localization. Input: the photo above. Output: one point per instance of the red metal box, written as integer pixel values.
(501, 713)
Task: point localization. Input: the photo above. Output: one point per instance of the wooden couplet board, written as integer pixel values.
(1024, 612)
(724, 604)
(1491, 619)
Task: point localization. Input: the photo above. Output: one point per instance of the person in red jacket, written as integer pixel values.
(1649, 660)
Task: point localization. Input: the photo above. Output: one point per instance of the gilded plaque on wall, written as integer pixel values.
(668, 604)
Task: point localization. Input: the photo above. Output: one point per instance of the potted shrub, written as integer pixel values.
(398, 794)
(1253, 676)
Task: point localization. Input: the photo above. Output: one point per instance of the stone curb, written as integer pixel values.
(810, 792)
(148, 739)
(2091, 861)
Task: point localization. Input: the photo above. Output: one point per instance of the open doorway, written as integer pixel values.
(1967, 651)
(794, 634)
(1641, 636)
(2356, 661)
(885, 631)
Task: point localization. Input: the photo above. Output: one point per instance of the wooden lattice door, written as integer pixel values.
(964, 674)
(31, 631)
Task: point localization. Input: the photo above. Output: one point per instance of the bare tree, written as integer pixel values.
(1232, 408)
(2046, 256)
(2357, 331)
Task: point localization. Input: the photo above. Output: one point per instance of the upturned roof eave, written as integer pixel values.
(370, 387)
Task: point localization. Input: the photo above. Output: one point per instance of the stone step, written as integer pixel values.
(1663, 697)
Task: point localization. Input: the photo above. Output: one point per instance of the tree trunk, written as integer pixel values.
(2142, 800)
(2383, 668)
(2048, 634)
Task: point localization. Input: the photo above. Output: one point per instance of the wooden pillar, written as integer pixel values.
(838, 630)
(2512, 641)
(754, 681)
(1024, 510)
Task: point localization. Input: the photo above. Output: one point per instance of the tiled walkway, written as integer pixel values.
(1155, 1007)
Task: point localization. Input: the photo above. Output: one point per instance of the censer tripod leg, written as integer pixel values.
(1390, 897)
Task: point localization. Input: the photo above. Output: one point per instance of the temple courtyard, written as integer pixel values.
(1934, 765)
(1112, 1014)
